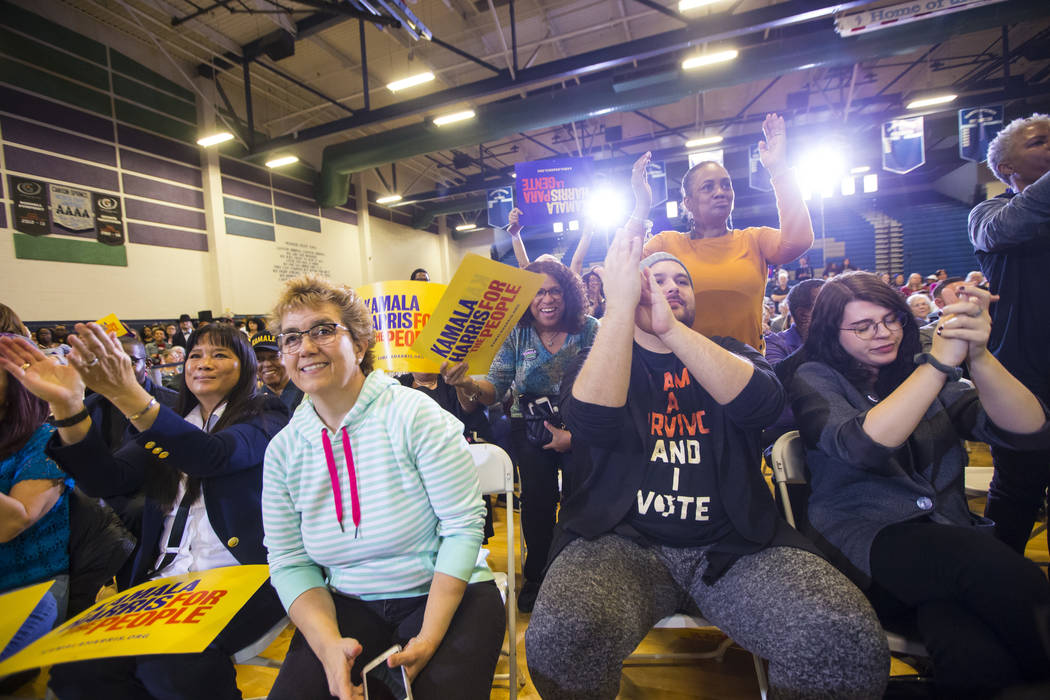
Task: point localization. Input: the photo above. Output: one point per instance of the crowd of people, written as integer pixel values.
(638, 415)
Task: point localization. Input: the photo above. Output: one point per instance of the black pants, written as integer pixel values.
(209, 674)
(462, 666)
(538, 477)
(974, 600)
(1017, 491)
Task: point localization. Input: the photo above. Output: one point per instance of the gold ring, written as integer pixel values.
(26, 366)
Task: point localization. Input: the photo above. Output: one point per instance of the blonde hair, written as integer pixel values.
(1000, 147)
(311, 292)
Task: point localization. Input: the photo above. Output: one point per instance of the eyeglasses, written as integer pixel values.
(554, 292)
(866, 330)
(320, 334)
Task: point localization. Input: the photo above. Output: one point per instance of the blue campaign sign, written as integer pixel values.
(977, 127)
(552, 190)
(757, 175)
(903, 145)
(500, 202)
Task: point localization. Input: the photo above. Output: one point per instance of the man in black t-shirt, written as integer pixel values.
(675, 515)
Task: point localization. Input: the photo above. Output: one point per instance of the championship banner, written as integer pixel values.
(17, 605)
(400, 309)
(757, 175)
(477, 312)
(174, 615)
(31, 211)
(552, 190)
(109, 219)
(903, 145)
(500, 202)
(71, 208)
(977, 127)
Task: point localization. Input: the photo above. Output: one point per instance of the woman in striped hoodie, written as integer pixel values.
(373, 517)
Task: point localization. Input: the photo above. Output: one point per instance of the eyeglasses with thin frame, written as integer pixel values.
(320, 333)
(554, 292)
(867, 329)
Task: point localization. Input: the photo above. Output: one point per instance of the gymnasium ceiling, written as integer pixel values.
(308, 82)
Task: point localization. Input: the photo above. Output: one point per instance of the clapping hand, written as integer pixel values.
(620, 277)
(643, 193)
(514, 221)
(654, 314)
(41, 375)
(101, 362)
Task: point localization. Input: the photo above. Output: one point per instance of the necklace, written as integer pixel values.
(549, 341)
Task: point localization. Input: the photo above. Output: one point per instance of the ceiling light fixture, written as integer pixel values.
(705, 141)
(283, 160)
(215, 139)
(859, 169)
(931, 101)
(410, 81)
(389, 199)
(686, 5)
(454, 117)
(709, 58)
(466, 227)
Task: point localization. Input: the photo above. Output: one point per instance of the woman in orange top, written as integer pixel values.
(728, 266)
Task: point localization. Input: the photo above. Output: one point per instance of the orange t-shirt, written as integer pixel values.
(729, 279)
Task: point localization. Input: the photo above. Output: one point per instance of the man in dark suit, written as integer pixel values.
(185, 329)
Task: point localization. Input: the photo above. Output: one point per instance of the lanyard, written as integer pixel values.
(333, 474)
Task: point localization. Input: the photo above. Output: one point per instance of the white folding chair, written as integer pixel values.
(789, 467)
(496, 474)
(249, 655)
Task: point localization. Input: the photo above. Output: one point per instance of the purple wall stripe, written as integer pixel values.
(26, 134)
(160, 214)
(246, 191)
(250, 229)
(138, 162)
(169, 238)
(244, 171)
(288, 184)
(53, 168)
(27, 105)
(133, 184)
(347, 217)
(158, 145)
(287, 201)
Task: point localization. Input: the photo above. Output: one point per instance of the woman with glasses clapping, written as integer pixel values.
(883, 426)
(373, 517)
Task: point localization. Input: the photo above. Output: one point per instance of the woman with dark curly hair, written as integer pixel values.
(532, 362)
(883, 425)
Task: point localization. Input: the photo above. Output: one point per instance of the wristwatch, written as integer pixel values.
(953, 373)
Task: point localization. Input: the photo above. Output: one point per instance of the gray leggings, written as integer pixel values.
(601, 597)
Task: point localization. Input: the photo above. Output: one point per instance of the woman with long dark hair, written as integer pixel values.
(201, 469)
(532, 363)
(34, 500)
(883, 425)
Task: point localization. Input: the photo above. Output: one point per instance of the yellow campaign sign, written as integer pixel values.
(477, 312)
(17, 605)
(400, 309)
(174, 615)
(112, 323)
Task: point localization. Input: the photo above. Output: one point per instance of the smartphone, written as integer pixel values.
(395, 679)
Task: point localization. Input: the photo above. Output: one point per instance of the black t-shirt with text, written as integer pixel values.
(678, 502)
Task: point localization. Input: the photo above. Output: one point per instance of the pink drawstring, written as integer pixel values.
(337, 495)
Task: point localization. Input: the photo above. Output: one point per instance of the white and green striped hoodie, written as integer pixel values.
(420, 504)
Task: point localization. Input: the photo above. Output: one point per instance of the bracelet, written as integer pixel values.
(953, 373)
(72, 420)
(147, 407)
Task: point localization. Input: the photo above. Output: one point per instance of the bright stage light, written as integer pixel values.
(606, 207)
(672, 209)
(821, 170)
(871, 183)
(849, 186)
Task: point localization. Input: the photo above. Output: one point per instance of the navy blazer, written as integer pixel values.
(229, 464)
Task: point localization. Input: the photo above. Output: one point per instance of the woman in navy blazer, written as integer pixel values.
(205, 459)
